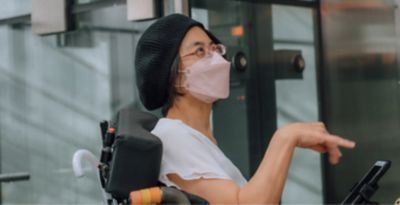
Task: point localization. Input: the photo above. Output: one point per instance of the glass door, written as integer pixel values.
(261, 99)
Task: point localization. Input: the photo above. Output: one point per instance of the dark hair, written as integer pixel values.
(172, 90)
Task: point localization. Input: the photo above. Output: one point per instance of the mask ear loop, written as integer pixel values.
(185, 72)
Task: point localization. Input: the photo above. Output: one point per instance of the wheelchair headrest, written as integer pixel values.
(131, 120)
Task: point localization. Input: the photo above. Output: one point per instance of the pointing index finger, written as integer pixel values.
(344, 142)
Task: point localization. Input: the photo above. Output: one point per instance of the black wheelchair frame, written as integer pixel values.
(131, 158)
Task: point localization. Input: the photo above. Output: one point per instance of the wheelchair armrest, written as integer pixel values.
(164, 195)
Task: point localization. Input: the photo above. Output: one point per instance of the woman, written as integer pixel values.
(180, 67)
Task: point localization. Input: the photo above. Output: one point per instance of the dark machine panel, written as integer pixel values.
(360, 92)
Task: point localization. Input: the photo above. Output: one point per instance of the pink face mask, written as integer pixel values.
(208, 78)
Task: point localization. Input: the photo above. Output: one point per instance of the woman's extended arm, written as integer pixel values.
(266, 186)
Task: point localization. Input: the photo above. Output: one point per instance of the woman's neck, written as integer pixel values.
(194, 113)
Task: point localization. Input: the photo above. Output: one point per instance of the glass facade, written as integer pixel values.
(15, 8)
(54, 91)
(52, 99)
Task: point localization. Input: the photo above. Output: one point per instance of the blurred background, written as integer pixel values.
(65, 65)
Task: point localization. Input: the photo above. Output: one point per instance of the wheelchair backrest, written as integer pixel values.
(136, 153)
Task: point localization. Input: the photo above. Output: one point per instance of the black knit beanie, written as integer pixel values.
(155, 53)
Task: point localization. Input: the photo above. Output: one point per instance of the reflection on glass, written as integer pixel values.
(54, 91)
(10, 8)
(361, 98)
(293, 28)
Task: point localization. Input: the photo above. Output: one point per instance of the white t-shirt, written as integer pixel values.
(191, 155)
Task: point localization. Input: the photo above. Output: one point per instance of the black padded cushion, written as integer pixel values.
(194, 199)
(136, 155)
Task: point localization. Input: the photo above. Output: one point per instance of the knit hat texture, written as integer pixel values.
(155, 53)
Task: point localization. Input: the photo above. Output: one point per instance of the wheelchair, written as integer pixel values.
(130, 161)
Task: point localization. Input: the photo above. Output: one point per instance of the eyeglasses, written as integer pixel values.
(202, 51)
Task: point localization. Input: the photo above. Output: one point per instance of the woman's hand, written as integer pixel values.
(315, 136)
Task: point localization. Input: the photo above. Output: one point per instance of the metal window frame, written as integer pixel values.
(319, 50)
(80, 8)
(299, 3)
(76, 9)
